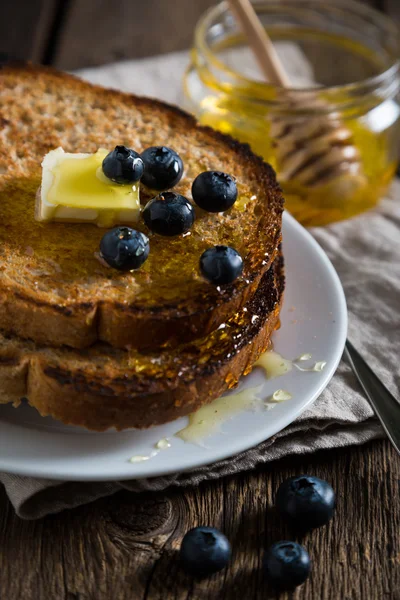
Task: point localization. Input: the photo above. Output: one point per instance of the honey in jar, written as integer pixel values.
(342, 62)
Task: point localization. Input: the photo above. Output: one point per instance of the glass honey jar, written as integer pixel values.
(343, 64)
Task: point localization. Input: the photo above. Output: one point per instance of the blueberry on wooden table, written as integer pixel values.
(287, 564)
(204, 551)
(308, 502)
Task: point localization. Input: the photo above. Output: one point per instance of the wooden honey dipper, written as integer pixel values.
(312, 151)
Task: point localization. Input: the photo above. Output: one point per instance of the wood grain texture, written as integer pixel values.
(78, 33)
(126, 547)
(392, 8)
(100, 32)
(25, 29)
(96, 33)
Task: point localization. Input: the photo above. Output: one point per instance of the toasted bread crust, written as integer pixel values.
(58, 382)
(56, 312)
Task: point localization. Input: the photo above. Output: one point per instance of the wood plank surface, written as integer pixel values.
(73, 34)
(126, 547)
(25, 29)
(94, 33)
(101, 32)
(391, 8)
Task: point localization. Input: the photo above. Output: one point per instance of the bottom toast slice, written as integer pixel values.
(103, 387)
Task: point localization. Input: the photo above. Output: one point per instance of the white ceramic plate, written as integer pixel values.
(314, 320)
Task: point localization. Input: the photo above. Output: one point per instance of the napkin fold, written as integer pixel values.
(366, 253)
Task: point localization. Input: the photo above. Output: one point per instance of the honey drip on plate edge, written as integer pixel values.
(209, 418)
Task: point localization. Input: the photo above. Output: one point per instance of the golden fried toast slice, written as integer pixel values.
(52, 288)
(104, 387)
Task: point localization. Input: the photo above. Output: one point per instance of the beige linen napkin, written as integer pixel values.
(366, 253)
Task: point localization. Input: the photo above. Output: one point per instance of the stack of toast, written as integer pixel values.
(100, 348)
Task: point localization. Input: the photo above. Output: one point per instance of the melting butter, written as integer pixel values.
(208, 419)
(75, 189)
(274, 364)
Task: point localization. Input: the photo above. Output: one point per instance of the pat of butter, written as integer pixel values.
(75, 189)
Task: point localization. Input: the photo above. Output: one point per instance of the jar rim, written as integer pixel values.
(360, 87)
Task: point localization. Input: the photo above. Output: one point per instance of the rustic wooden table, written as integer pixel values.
(71, 34)
(125, 546)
